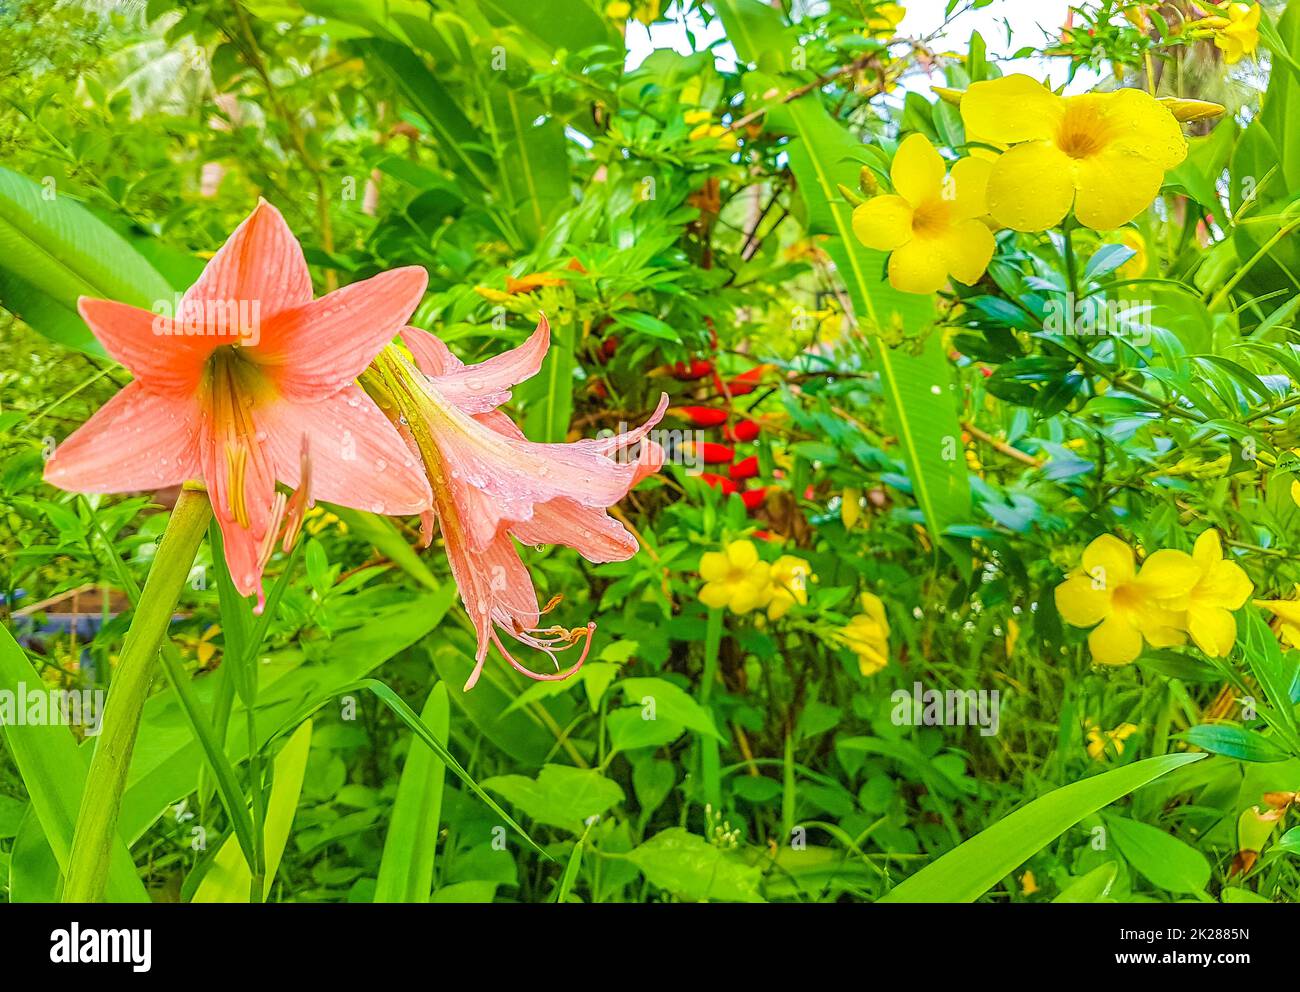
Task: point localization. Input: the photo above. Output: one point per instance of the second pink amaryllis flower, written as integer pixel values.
(492, 486)
(249, 373)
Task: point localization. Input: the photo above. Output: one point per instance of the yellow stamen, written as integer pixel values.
(236, 465)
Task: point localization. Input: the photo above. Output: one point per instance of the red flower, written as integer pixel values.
(746, 468)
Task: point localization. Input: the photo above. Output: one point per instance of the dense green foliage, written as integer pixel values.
(931, 465)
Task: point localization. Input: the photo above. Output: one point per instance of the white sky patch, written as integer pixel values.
(1006, 26)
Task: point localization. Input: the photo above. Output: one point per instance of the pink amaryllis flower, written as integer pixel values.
(248, 375)
(491, 484)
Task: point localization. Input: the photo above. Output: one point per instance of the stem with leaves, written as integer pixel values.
(101, 802)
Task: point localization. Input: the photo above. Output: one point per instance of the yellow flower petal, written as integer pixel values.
(1214, 630)
(918, 170)
(715, 595)
(1287, 610)
(1226, 584)
(1169, 574)
(917, 267)
(967, 249)
(1114, 186)
(970, 180)
(713, 566)
(1013, 108)
(874, 607)
(1108, 561)
(1140, 125)
(1030, 187)
(742, 554)
(746, 597)
(883, 222)
(1079, 604)
(1115, 642)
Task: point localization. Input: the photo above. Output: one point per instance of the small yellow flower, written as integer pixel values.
(884, 20)
(1288, 611)
(867, 635)
(1105, 154)
(1126, 606)
(647, 11)
(1222, 588)
(703, 128)
(618, 10)
(789, 578)
(931, 223)
(850, 506)
(1098, 739)
(1135, 267)
(1237, 34)
(735, 578)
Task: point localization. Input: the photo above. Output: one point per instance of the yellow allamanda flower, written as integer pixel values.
(884, 19)
(1288, 611)
(1126, 606)
(1098, 739)
(735, 578)
(789, 581)
(1104, 154)
(1222, 587)
(1236, 32)
(867, 635)
(931, 222)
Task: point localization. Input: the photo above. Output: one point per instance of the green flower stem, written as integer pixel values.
(101, 801)
(710, 763)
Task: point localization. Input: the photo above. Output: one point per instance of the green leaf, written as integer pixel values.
(1092, 887)
(971, 869)
(629, 729)
(1107, 259)
(53, 770)
(1235, 742)
(1162, 859)
(693, 869)
(406, 868)
(228, 878)
(669, 703)
(549, 394)
(579, 26)
(53, 250)
(561, 795)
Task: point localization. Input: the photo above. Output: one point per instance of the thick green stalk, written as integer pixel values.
(92, 840)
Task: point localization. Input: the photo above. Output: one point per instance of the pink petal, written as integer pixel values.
(317, 348)
(432, 356)
(261, 262)
(496, 480)
(494, 586)
(137, 441)
(151, 345)
(593, 533)
(483, 387)
(358, 459)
